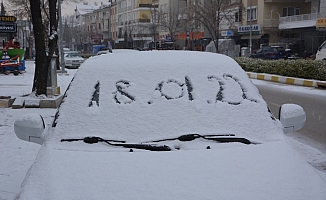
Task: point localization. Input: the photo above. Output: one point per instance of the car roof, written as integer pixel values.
(167, 93)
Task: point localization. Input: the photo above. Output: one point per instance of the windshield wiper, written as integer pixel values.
(226, 138)
(92, 140)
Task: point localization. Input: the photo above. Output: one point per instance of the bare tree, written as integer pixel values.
(214, 13)
(43, 15)
(41, 68)
(168, 21)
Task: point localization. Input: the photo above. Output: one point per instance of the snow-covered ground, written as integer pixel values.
(17, 155)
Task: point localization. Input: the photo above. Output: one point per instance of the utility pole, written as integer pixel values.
(60, 38)
(154, 27)
(250, 37)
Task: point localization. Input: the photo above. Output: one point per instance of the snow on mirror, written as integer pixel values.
(292, 117)
(29, 127)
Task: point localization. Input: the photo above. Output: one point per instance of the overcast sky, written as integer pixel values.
(68, 9)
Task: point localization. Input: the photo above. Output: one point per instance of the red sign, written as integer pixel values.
(98, 36)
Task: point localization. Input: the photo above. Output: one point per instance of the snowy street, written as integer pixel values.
(17, 155)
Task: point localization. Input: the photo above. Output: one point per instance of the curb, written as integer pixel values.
(287, 80)
(25, 102)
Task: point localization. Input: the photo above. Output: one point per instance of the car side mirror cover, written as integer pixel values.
(29, 127)
(292, 117)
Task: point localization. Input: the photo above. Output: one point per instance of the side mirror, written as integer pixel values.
(29, 127)
(292, 117)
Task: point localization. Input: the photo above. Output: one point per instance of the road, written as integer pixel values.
(314, 104)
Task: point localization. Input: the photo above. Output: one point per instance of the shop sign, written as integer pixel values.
(8, 28)
(97, 37)
(11, 19)
(246, 29)
(321, 23)
(168, 39)
(227, 33)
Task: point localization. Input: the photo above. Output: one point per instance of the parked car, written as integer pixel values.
(321, 52)
(270, 53)
(73, 59)
(166, 125)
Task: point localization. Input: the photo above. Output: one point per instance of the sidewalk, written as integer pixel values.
(287, 80)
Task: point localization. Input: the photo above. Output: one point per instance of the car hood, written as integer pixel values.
(263, 171)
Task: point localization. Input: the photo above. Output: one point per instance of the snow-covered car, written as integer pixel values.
(73, 59)
(166, 125)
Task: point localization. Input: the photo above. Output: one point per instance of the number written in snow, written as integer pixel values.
(121, 95)
(174, 89)
(166, 91)
(220, 97)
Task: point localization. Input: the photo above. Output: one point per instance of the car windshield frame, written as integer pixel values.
(72, 54)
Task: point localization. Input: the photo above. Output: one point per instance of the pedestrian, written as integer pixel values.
(13, 43)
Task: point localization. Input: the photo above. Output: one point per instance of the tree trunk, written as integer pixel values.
(41, 67)
(53, 32)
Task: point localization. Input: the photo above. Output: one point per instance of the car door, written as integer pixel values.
(259, 53)
(321, 52)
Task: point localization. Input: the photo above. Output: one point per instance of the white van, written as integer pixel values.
(321, 52)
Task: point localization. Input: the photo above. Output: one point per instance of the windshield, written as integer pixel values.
(145, 96)
(72, 54)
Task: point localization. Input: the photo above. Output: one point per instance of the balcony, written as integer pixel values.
(300, 21)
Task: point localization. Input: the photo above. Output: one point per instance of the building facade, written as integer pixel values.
(289, 23)
(294, 24)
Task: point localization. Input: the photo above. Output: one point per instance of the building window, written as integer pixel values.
(238, 16)
(253, 14)
(290, 11)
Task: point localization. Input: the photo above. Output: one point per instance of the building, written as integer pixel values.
(135, 23)
(84, 15)
(289, 23)
(113, 22)
(170, 23)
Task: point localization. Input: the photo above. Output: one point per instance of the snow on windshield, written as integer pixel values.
(150, 95)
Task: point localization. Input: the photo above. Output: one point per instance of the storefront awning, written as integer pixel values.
(247, 37)
(297, 24)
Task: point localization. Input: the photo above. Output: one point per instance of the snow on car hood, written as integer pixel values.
(265, 171)
(159, 94)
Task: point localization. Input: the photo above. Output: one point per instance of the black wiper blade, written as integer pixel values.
(93, 140)
(230, 139)
(145, 147)
(222, 138)
(190, 137)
